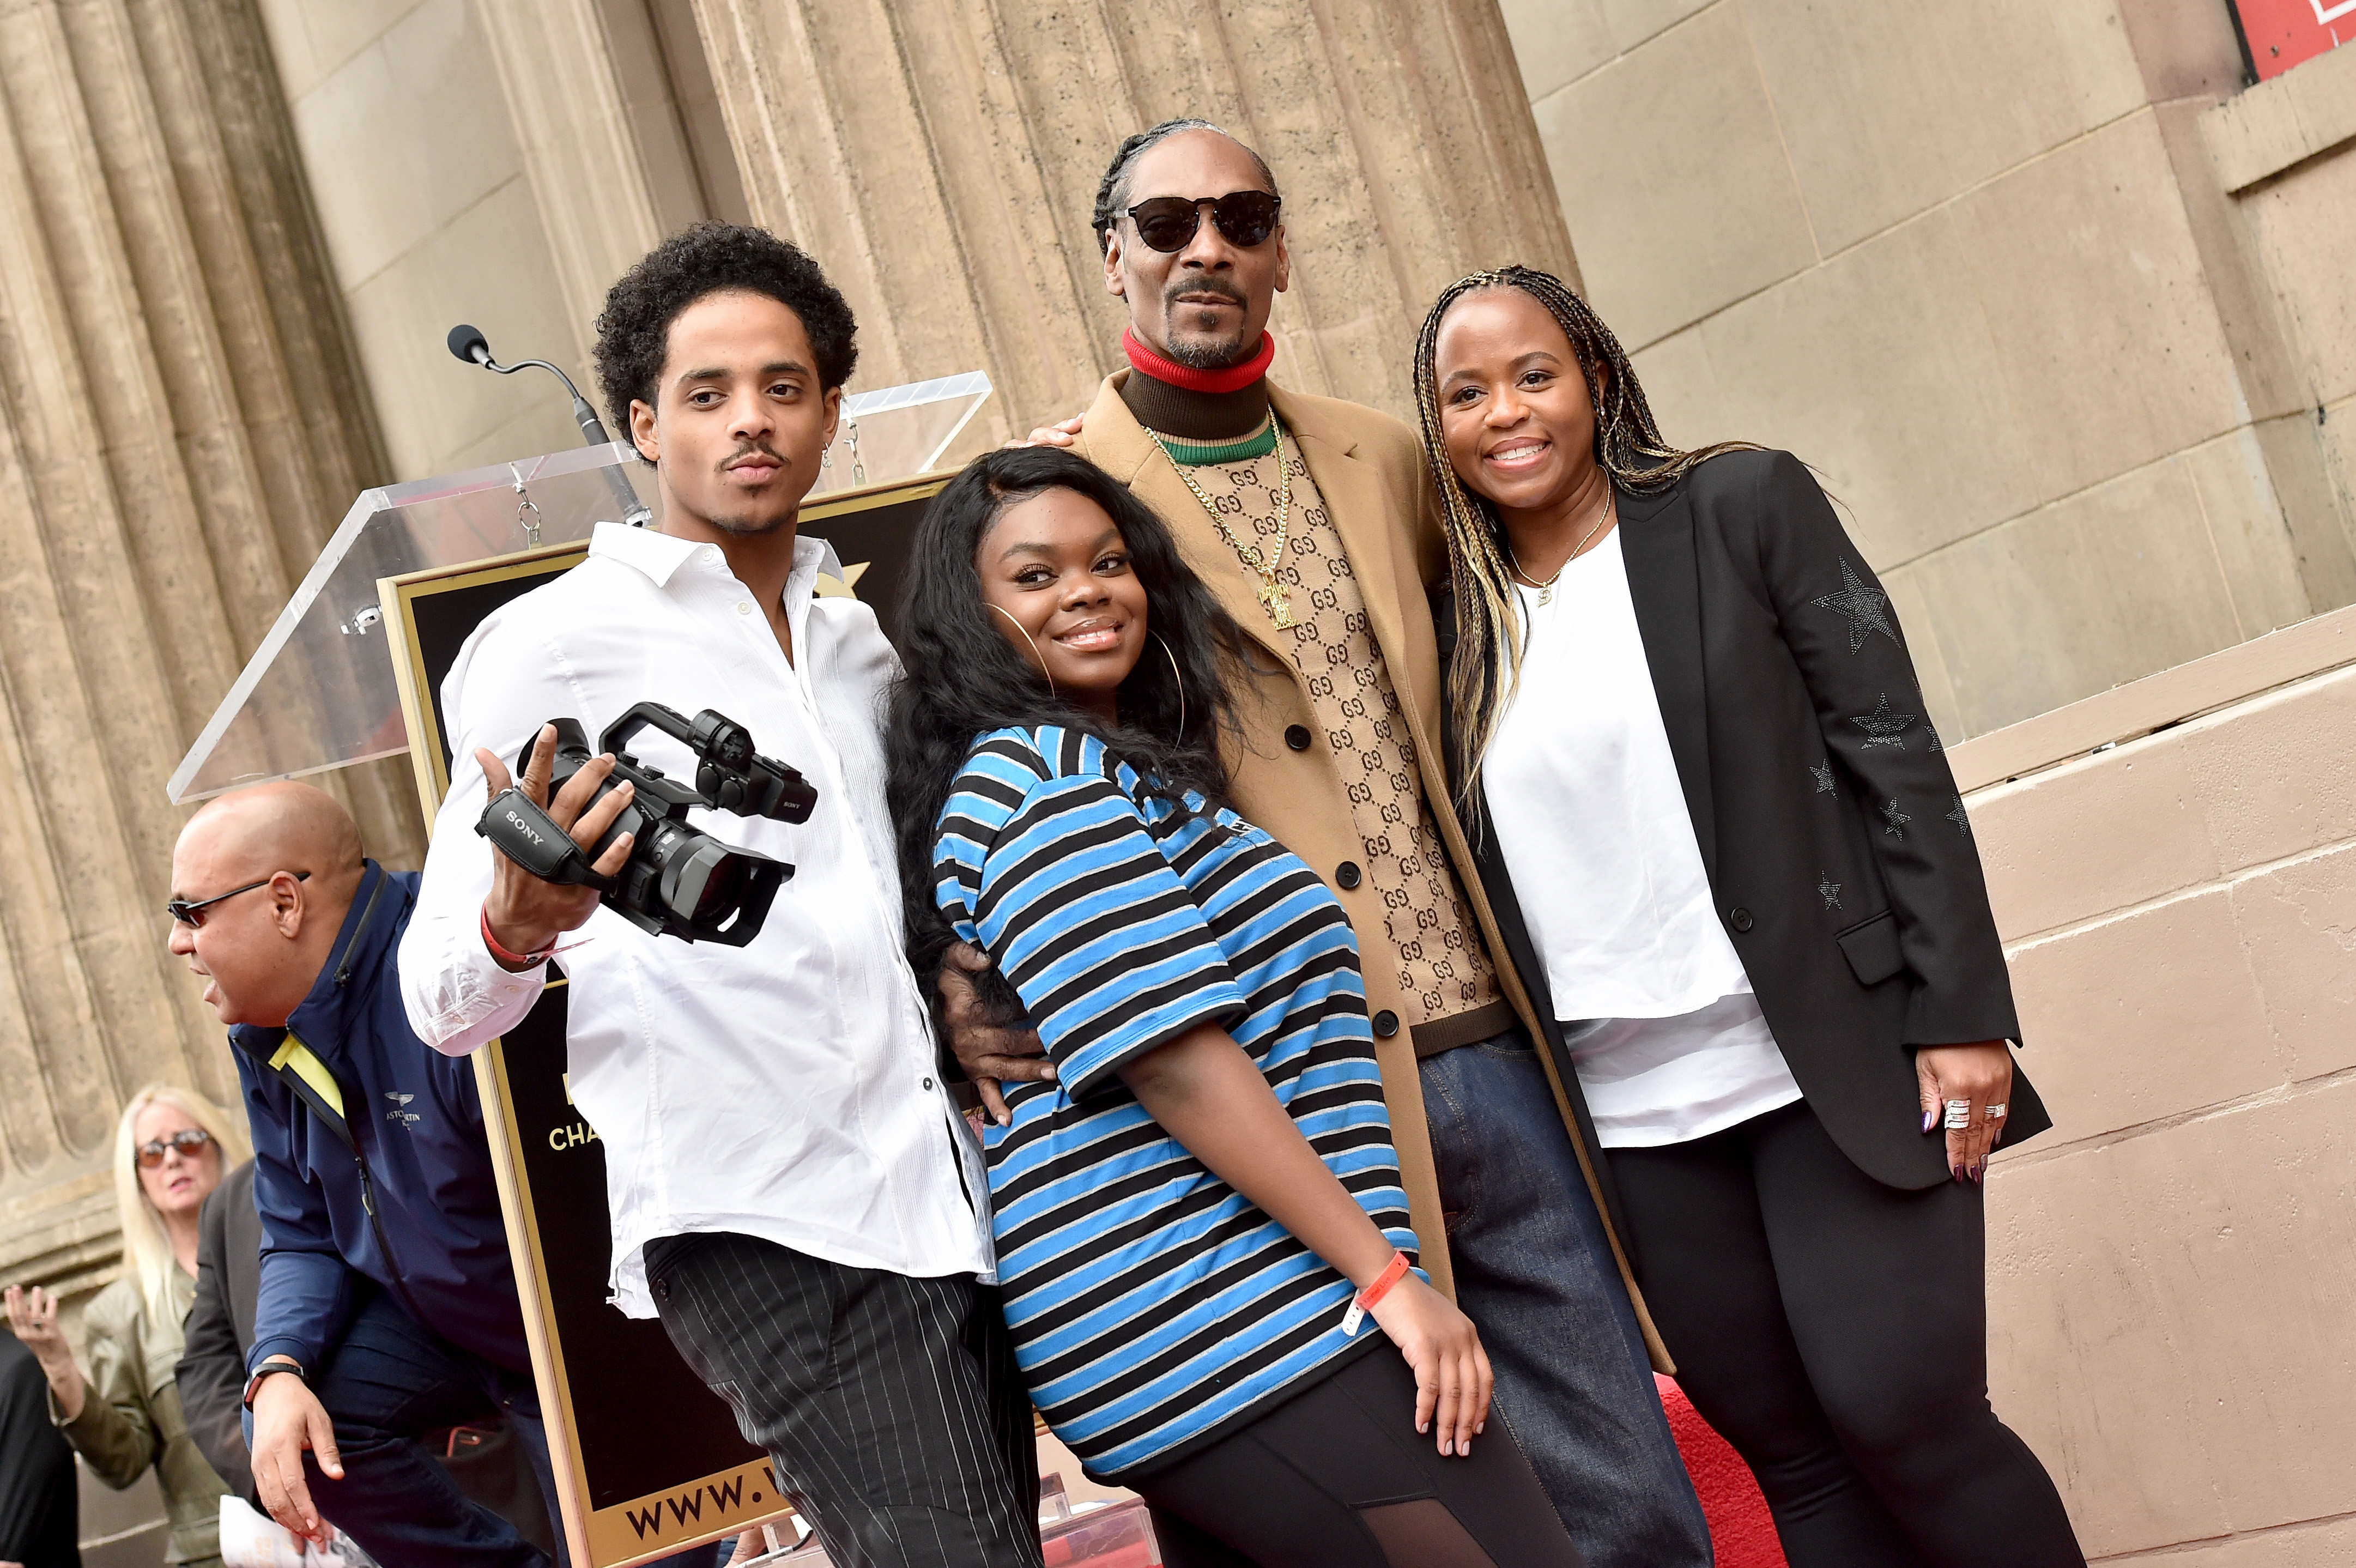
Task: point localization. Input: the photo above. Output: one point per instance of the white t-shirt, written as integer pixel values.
(1584, 798)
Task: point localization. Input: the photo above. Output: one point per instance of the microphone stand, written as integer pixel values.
(469, 345)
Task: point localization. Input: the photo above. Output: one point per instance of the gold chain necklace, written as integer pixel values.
(1273, 595)
(1546, 589)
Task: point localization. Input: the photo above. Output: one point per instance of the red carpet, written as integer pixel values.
(1739, 1527)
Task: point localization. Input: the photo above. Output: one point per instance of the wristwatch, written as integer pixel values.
(265, 1370)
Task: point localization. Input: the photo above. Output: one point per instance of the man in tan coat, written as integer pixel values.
(1315, 523)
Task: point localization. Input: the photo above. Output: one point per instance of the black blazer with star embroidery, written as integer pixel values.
(1829, 823)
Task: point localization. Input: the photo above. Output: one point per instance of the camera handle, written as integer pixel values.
(619, 733)
(729, 773)
(527, 834)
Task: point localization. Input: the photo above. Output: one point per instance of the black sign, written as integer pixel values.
(645, 1423)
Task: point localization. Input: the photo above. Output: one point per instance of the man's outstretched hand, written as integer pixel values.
(991, 1049)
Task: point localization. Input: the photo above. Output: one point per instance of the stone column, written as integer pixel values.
(593, 93)
(581, 153)
(181, 426)
(941, 160)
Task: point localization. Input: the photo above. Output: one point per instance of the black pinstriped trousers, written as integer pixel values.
(891, 1406)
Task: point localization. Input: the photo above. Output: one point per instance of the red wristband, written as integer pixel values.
(513, 960)
(1384, 1281)
(1365, 1301)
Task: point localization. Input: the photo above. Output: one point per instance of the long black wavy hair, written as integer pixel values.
(963, 678)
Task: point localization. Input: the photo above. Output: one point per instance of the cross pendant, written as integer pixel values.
(1280, 604)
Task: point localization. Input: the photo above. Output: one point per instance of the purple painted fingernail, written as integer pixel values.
(1929, 1117)
(1959, 1172)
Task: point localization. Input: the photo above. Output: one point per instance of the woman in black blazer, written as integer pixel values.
(1727, 851)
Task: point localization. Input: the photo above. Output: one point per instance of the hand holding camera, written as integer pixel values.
(525, 914)
(625, 838)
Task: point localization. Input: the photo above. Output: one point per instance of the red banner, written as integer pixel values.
(2281, 33)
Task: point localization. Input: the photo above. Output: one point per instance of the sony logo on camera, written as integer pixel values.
(523, 827)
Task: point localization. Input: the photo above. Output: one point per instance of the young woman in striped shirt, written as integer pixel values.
(1202, 1236)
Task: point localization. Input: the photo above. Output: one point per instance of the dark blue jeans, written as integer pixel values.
(385, 1384)
(1535, 1272)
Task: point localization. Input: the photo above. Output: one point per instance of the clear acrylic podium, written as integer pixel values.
(319, 693)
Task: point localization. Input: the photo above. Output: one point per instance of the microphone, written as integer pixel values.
(469, 345)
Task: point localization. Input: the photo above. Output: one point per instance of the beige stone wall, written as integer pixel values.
(428, 211)
(1974, 262)
(942, 159)
(2172, 1267)
(2287, 152)
(502, 161)
(180, 426)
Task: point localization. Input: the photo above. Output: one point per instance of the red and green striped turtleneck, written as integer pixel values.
(1218, 415)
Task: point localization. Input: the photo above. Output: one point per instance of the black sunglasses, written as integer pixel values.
(192, 913)
(1246, 217)
(189, 1141)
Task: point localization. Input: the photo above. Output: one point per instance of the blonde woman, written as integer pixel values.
(171, 1148)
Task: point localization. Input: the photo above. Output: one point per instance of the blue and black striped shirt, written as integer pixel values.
(1151, 1304)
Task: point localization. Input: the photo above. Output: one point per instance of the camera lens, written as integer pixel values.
(724, 888)
(703, 881)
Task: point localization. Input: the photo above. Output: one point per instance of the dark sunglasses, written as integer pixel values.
(192, 913)
(189, 1141)
(1246, 217)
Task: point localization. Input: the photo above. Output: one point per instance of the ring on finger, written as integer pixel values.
(1959, 1115)
(1995, 1112)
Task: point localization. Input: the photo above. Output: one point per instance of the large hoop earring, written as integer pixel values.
(1179, 680)
(1035, 646)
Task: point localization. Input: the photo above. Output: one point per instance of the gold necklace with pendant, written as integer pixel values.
(1273, 596)
(1546, 589)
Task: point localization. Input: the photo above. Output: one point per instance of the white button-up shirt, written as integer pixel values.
(786, 1090)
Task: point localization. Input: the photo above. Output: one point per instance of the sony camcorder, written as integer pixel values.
(679, 881)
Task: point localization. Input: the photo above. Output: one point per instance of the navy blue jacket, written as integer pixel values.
(437, 1241)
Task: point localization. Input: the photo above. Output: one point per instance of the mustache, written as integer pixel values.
(1219, 286)
(761, 447)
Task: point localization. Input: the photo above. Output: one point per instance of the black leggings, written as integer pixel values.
(1835, 1330)
(1338, 1476)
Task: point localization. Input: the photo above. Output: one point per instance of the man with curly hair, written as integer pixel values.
(790, 1180)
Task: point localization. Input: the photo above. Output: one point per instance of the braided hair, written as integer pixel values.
(1486, 666)
(1112, 191)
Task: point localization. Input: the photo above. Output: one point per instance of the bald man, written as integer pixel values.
(388, 1305)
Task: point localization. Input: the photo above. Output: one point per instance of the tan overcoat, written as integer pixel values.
(1370, 469)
